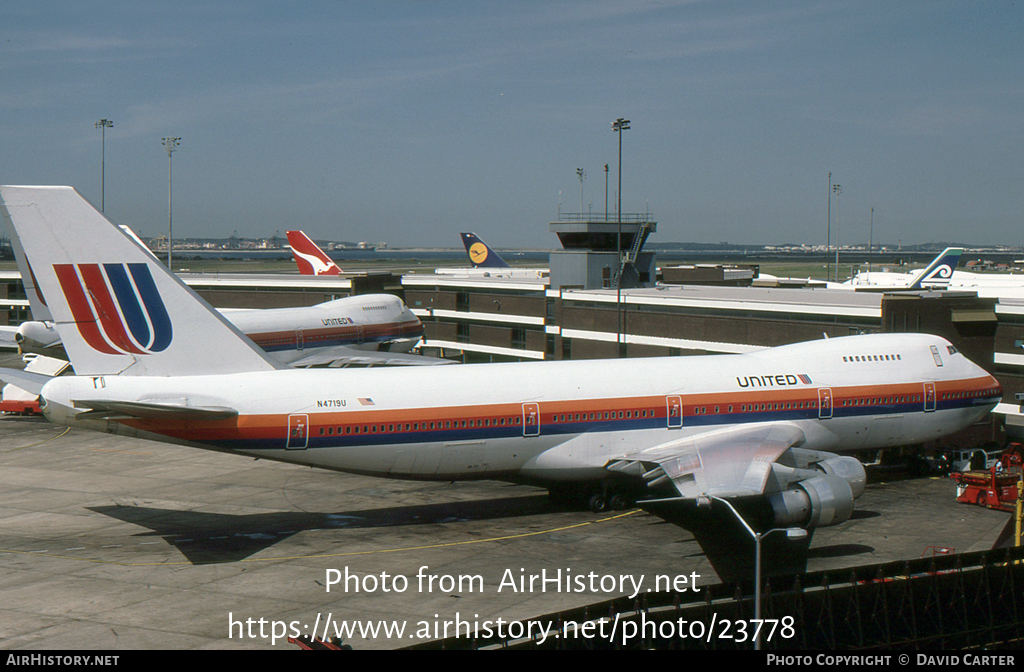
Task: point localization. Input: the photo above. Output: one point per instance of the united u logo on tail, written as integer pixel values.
(116, 307)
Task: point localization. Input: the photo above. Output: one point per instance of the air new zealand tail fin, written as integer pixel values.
(940, 271)
(310, 259)
(117, 308)
(480, 255)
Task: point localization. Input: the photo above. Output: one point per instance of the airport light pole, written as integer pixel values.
(606, 192)
(103, 125)
(580, 173)
(871, 237)
(828, 236)
(791, 532)
(837, 189)
(170, 144)
(618, 126)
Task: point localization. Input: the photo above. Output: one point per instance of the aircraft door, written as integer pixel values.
(929, 397)
(359, 334)
(674, 411)
(298, 431)
(531, 419)
(298, 339)
(824, 403)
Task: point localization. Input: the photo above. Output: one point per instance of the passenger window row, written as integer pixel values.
(872, 358)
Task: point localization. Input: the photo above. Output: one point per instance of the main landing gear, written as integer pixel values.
(598, 497)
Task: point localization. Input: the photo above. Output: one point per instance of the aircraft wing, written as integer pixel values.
(161, 410)
(342, 356)
(732, 462)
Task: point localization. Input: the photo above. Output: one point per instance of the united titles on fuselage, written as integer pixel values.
(780, 380)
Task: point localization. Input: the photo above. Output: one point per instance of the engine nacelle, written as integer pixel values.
(849, 469)
(818, 501)
(37, 337)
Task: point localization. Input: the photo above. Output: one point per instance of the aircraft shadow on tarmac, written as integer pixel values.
(839, 551)
(206, 538)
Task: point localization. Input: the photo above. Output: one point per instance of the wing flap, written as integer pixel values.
(733, 462)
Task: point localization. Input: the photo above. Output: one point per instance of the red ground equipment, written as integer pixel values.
(996, 487)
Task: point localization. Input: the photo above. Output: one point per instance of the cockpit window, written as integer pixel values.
(952, 349)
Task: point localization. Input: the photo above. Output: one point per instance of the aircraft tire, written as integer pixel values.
(598, 504)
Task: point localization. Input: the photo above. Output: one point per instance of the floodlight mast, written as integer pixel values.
(103, 125)
(170, 144)
(618, 126)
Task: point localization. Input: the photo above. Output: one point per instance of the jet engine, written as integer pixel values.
(848, 468)
(818, 501)
(37, 337)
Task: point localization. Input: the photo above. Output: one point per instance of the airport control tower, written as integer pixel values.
(602, 253)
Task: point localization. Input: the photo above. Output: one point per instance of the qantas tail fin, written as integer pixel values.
(310, 259)
(117, 308)
(480, 255)
(939, 272)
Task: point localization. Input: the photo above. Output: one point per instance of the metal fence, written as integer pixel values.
(954, 602)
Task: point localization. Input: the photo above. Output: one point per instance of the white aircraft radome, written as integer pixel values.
(766, 424)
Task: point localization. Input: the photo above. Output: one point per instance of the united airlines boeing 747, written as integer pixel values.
(160, 364)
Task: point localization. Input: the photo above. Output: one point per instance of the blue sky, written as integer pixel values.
(411, 121)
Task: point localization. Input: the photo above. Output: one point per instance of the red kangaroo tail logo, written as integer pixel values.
(310, 259)
(116, 307)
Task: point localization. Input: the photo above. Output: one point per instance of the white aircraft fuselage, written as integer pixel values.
(555, 421)
(364, 322)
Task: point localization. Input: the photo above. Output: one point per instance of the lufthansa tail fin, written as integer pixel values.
(940, 271)
(310, 259)
(480, 255)
(117, 308)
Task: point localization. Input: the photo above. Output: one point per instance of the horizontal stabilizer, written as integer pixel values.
(26, 380)
(105, 408)
(7, 337)
(342, 356)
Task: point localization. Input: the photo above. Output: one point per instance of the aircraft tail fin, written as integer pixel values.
(940, 271)
(117, 308)
(310, 259)
(36, 302)
(480, 254)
